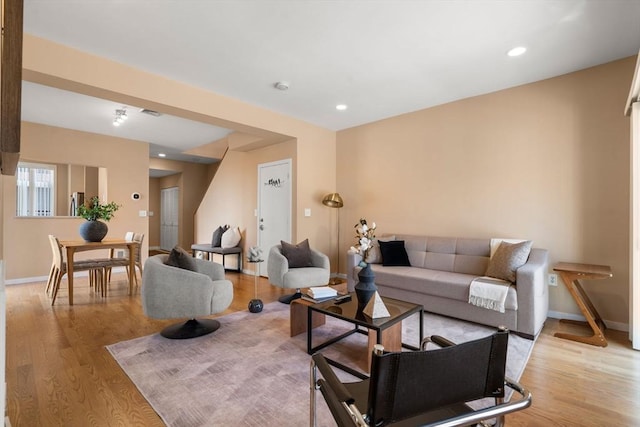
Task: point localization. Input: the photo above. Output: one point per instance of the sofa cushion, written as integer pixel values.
(394, 254)
(297, 255)
(507, 259)
(181, 259)
(443, 284)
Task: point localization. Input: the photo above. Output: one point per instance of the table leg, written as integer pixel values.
(391, 339)
(298, 317)
(588, 311)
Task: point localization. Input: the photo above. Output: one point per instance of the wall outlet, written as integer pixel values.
(552, 279)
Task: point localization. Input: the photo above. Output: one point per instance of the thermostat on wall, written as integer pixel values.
(135, 196)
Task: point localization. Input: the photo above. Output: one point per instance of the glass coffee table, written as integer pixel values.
(385, 330)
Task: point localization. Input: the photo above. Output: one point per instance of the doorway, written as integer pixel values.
(169, 202)
(274, 206)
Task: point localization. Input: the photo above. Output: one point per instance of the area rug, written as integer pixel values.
(251, 373)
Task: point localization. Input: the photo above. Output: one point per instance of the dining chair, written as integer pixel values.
(129, 236)
(95, 268)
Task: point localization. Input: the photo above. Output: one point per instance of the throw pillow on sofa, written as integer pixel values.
(375, 256)
(507, 259)
(297, 255)
(230, 238)
(394, 254)
(181, 259)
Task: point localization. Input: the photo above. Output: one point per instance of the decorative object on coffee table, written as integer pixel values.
(366, 287)
(254, 257)
(333, 200)
(94, 230)
(375, 307)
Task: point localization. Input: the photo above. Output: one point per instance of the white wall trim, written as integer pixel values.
(24, 280)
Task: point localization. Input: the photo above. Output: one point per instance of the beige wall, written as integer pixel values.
(59, 66)
(546, 161)
(232, 197)
(26, 248)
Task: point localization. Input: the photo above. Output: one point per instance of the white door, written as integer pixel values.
(169, 217)
(274, 206)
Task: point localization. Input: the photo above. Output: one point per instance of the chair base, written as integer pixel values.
(286, 299)
(190, 329)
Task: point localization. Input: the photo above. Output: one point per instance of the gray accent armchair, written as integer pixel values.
(296, 278)
(170, 292)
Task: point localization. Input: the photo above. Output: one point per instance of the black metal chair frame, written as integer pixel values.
(427, 387)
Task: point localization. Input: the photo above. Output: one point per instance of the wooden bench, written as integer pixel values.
(208, 250)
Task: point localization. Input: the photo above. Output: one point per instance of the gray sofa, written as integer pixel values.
(440, 275)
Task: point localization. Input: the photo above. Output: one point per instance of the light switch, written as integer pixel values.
(307, 212)
(150, 213)
(142, 213)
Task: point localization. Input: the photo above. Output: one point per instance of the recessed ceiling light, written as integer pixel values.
(341, 107)
(517, 51)
(162, 155)
(281, 85)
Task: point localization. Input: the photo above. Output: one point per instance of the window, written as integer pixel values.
(35, 192)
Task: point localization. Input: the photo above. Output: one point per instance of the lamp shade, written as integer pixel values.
(333, 200)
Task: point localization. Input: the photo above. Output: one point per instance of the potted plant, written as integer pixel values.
(94, 229)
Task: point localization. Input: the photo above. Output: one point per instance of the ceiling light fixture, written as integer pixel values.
(517, 51)
(341, 107)
(162, 155)
(281, 85)
(121, 116)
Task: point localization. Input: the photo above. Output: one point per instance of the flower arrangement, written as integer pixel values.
(364, 236)
(93, 210)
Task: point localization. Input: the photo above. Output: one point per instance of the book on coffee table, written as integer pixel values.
(321, 292)
(317, 300)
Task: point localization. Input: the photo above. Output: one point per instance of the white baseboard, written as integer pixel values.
(24, 280)
(618, 326)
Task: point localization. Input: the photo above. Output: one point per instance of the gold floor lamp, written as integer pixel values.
(333, 200)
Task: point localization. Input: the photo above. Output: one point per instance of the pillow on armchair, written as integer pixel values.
(181, 259)
(297, 255)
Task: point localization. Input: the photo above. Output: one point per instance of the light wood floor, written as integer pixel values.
(59, 373)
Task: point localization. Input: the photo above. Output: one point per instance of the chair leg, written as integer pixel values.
(286, 299)
(56, 285)
(50, 281)
(190, 329)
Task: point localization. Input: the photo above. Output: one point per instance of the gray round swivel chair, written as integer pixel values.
(280, 274)
(170, 292)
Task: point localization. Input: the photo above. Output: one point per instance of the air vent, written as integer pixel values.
(150, 112)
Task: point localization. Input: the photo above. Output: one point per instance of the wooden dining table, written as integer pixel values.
(73, 246)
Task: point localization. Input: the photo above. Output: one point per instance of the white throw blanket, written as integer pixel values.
(489, 292)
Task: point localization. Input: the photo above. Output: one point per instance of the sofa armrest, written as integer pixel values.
(533, 294)
(353, 260)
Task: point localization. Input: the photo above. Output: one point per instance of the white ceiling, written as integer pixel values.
(381, 58)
